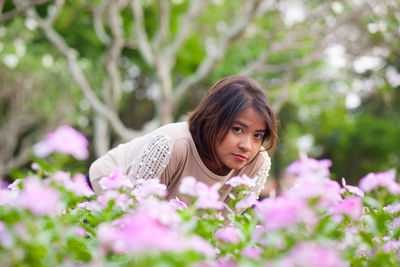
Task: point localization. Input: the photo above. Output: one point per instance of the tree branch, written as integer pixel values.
(163, 29)
(1, 6)
(80, 79)
(21, 9)
(194, 11)
(295, 36)
(211, 59)
(55, 11)
(98, 24)
(284, 92)
(114, 51)
(143, 43)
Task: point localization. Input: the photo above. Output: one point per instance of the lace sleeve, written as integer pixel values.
(153, 158)
(262, 175)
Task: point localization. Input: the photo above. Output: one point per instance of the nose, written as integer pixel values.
(245, 143)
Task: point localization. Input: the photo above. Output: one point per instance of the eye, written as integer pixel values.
(258, 136)
(236, 129)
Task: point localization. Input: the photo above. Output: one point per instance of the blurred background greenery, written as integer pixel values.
(119, 68)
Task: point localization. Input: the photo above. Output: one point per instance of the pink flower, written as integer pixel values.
(90, 205)
(8, 197)
(80, 186)
(331, 194)
(80, 231)
(352, 189)
(61, 177)
(115, 180)
(188, 185)
(351, 206)
(393, 208)
(386, 180)
(243, 180)
(395, 223)
(15, 185)
(228, 234)
(252, 253)
(208, 197)
(6, 239)
(280, 212)
(247, 202)
(310, 167)
(312, 254)
(145, 188)
(391, 246)
(137, 232)
(315, 187)
(178, 204)
(39, 199)
(161, 210)
(64, 140)
(121, 200)
(198, 244)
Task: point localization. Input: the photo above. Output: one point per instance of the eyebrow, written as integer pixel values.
(247, 127)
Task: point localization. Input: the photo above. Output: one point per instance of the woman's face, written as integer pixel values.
(243, 140)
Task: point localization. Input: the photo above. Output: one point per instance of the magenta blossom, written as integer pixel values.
(140, 233)
(115, 180)
(243, 180)
(392, 208)
(80, 231)
(352, 189)
(247, 202)
(208, 197)
(121, 200)
(228, 234)
(178, 204)
(328, 191)
(9, 197)
(312, 254)
(280, 212)
(80, 186)
(145, 188)
(252, 253)
(162, 210)
(6, 239)
(39, 199)
(188, 185)
(386, 180)
(310, 167)
(65, 140)
(391, 245)
(351, 206)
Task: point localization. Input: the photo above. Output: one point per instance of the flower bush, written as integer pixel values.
(54, 219)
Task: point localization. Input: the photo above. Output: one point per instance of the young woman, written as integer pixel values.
(226, 135)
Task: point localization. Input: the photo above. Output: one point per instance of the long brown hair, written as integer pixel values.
(213, 117)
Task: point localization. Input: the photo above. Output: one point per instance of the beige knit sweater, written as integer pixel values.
(169, 153)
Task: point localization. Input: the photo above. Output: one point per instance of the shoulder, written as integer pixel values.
(262, 162)
(261, 168)
(175, 131)
(174, 138)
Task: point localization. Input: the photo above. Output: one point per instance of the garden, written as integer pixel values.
(53, 218)
(80, 77)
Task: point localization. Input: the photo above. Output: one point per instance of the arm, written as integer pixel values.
(104, 165)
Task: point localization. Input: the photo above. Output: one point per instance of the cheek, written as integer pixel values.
(256, 149)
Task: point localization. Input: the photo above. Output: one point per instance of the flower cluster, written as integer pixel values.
(54, 219)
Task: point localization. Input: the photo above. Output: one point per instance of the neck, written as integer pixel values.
(215, 168)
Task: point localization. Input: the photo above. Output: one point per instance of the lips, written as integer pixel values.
(240, 157)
